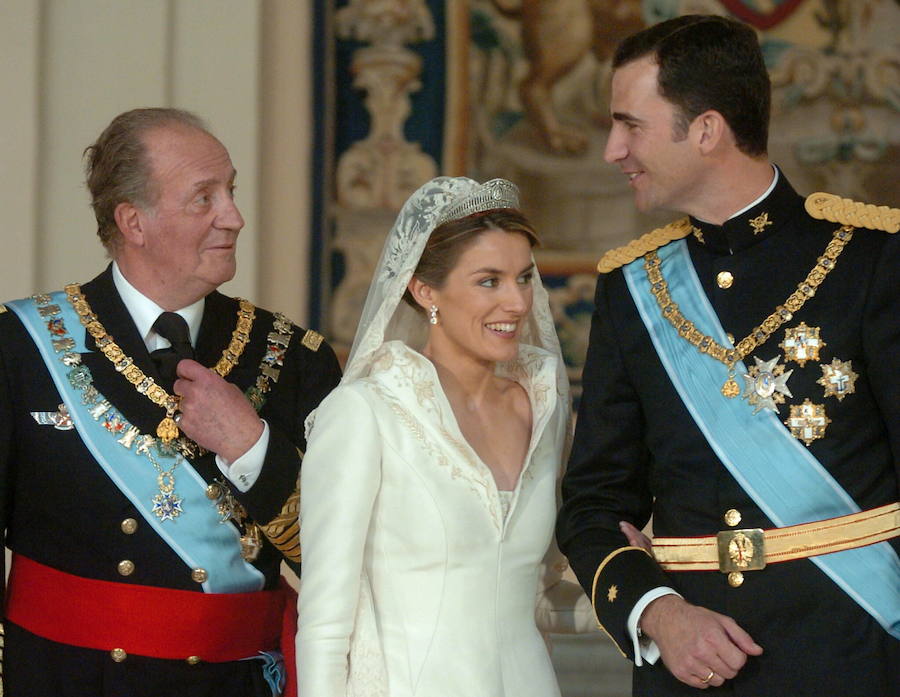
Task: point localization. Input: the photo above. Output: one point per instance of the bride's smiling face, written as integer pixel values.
(485, 298)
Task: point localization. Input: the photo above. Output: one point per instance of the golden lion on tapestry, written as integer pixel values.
(556, 35)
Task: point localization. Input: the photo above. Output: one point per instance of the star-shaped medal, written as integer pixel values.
(801, 344)
(612, 593)
(807, 421)
(765, 385)
(167, 505)
(838, 379)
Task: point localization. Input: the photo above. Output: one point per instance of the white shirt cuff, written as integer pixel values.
(244, 471)
(645, 649)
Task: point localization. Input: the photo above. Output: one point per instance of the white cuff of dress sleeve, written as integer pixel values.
(645, 649)
(244, 471)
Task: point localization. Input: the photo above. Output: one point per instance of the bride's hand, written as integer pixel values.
(635, 537)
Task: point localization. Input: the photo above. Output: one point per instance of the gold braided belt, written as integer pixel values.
(751, 549)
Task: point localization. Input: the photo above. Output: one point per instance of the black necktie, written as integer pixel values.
(174, 328)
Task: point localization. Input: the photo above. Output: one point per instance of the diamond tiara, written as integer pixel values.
(493, 194)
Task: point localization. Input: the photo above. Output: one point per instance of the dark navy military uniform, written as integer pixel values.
(59, 508)
(638, 452)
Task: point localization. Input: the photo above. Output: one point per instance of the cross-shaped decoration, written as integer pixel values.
(807, 421)
(765, 385)
(838, 379)
(760, 222)
(801, 344)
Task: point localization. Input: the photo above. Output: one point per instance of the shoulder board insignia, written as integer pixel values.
(312, 340)
(648, 242)
(845, 211)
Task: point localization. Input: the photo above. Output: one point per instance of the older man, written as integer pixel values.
(742, 385)
(148, 510)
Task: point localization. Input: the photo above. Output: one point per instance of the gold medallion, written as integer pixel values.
(167, 431)
(731, 389)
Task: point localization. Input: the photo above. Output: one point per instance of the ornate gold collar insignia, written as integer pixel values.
(167, 430)
(760, 222)
(760, 334)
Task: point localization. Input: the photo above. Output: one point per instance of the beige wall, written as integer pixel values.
(69, 66)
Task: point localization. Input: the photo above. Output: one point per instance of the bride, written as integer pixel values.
(429, 483)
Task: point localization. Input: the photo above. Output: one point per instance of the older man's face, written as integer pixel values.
(191, 231)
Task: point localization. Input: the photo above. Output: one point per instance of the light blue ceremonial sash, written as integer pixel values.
(784, 479)
(196, 534)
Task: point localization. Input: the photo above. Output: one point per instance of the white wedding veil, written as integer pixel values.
(386, 317)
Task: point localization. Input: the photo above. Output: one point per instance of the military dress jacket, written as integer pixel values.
(637, 451)
(58, 507)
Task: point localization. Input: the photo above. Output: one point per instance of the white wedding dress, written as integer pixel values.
(415, 581)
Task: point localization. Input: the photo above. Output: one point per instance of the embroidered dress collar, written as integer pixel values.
(534, 369)
(144, 312)
(756, 222)
(413, 389)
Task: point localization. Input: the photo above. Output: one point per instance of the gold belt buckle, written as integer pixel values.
(741, 550)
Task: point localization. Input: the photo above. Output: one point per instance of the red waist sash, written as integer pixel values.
(144, 620)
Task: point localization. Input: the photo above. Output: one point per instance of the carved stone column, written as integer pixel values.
(376, 174)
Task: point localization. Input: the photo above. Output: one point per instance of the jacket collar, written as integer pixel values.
(758, 222)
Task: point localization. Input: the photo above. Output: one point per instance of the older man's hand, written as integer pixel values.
(699, 647)
(214, 413)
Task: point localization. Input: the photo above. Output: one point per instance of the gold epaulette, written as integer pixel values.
(844, 211)
(312, 340)
(652, 240)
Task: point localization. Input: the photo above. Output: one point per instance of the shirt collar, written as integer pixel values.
(752, 223)
(144, 312)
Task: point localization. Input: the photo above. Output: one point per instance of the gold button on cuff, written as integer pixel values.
(724, 279)
(129, 525)
(192, 660)
(199, 575)
(118, 655)
(732, 517)
(125, 567)
(213, 491)
(735, 579)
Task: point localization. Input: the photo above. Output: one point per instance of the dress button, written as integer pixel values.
(118, 655)
(732, 517)
(125, 567)
(213, 491)
(199, 575)
(724, 279)
(129, 525)
(735, 579)
(192, 660)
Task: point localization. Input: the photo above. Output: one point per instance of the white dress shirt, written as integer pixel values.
(244, 471)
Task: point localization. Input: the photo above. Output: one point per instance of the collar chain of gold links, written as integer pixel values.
(758, 336)
(167, 430)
